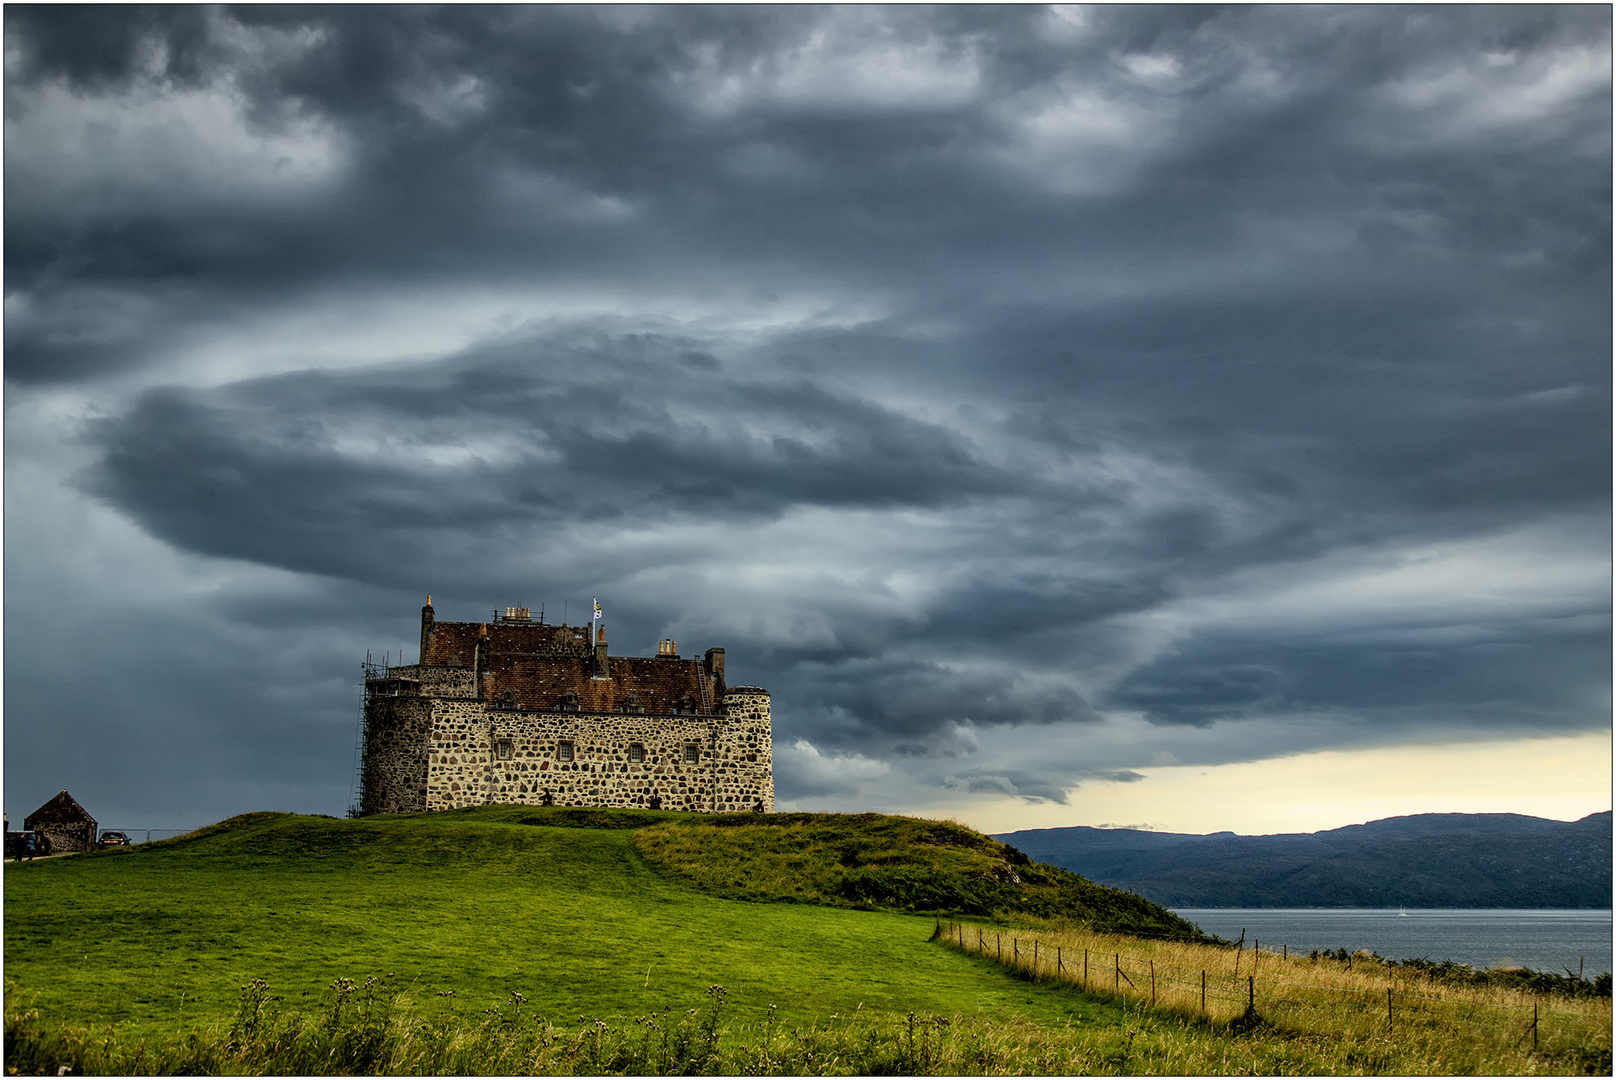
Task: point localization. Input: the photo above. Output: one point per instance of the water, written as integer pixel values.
(1539, 938)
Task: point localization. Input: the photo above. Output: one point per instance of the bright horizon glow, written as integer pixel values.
(1563, 778)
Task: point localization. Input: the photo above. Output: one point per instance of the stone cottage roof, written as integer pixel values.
(62, 809)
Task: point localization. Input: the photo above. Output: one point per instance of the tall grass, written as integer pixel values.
(371, 1028)
(1383, 1016)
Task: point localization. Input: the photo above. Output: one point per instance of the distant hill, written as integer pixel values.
(1424, 860)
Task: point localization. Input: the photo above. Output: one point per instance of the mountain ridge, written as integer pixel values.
(1418, 860)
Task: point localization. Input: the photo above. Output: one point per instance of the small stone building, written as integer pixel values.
(64, 823)
(517, 710)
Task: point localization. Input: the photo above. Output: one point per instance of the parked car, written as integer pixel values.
(112, 838)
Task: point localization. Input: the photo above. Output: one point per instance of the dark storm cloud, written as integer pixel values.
(1509, 678)
(948, 345)
(478, 140)
(331, 473)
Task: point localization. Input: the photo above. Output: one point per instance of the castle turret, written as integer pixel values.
(745, 751)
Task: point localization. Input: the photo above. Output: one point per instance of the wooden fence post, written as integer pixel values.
(1060, 969)
(1015, 950)
(1388, 1010)
(1534, 1026)
(1203, 990)
(1035, 957)
(1153, 983)
(1085, 967)
(1251, 993)
(1116, 976)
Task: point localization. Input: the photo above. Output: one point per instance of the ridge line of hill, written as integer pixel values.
(1420, 860)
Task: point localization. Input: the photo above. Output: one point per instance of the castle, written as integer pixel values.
(517, 710)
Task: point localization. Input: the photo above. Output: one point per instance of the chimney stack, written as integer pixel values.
(427, 617)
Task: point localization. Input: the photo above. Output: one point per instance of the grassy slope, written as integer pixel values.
(479, 902)
(880, 861)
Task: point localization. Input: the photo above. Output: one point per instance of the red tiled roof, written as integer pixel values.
(456, 642)
(541, 663)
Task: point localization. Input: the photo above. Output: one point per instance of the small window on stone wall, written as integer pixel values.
(636, 752)
(503, 749)
(568, 702)
(692, 753)
(564, 751)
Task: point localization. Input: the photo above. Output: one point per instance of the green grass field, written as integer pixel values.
(473, 902)
(519, 940)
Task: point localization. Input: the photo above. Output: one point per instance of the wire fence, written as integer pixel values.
(1297, 992)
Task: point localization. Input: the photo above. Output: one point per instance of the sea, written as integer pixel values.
(1543, 939)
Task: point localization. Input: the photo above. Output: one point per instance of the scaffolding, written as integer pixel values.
(375, 673)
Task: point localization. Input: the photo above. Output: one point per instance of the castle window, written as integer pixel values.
(632, 703)
(692, 753)
(686, 706)
(503, 749)
(636, 752)
(568, 702)
(564, 751)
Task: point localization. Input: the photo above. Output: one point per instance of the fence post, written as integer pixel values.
(1085, 967)
(1534, 1027)
(1116, 976)
(1388, 1010)
(1060, 969)
(1203, 990)
(1015, 950)
(1035, 957)
(979, 946)
(998, 946)
(1153, 983)
(1251, 993)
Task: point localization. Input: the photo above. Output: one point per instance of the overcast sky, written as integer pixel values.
(1041, 403)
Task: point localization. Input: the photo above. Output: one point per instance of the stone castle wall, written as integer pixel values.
(398, 731)
(430, 752)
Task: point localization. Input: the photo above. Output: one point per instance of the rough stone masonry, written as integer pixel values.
(516, 710)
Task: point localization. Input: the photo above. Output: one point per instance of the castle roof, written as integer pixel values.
(62, 809)
(538, 667)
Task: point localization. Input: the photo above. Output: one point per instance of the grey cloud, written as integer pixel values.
(1017, 334)
(911, 705)
(616, 431)
(1506, 679)
(1120, 776)
(1032, 787)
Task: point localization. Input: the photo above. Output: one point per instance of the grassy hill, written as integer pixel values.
(559, 905)
(515, 941)
(877, 861)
